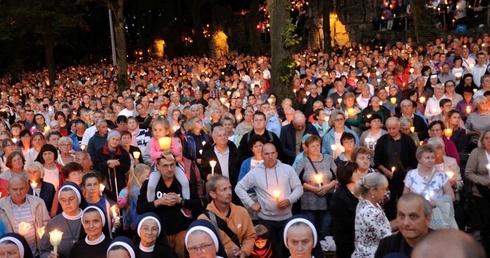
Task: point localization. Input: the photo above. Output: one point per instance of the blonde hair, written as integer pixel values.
(161, 121)
(36, 166)
(133, 175)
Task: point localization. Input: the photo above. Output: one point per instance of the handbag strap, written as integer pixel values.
(316, 171)
(430, 180)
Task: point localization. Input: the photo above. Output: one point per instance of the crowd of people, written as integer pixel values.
(381, 146)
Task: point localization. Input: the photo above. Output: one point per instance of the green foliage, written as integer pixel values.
(286, 70)
(290, 38)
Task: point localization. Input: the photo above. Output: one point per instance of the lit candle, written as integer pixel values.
(115, 214)
(339, 100)
(212, 163)
(350, 112)
(101, 187)
(421, 143)
(203, 143)
(24, 227)
(136, 154)
(14, 140)
(450, 174)
(40, 232)
(294, 91)
(83, 147)
(200, 152)
(164, 143)
(468, 109)
(422, 100)
(33, 185)
(393, 170)
(475, 90)
(393, 101)
(333, 146)
(304, 100)
(276, 194)
(448, 132)
(270, 101)
(471, 66)
(238, 117)
(368, 116)
(411, 70)
(412, 129)
(46, 129)
(433, 111)
(318, 179)
(55, 239)
(457, 75)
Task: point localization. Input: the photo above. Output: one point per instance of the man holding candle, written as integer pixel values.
(28, 209)
(394, 150)
(225, 155)
(277, 186)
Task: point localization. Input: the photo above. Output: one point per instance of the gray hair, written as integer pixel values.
(366, 183)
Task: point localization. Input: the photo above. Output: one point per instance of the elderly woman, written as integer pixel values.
(126, 139)
(432, 109)
(331, 140)
(69, 222)
(478, 121)
(374, 108)
(348, 143)
(352, 112)
(406, 124)
(316, 172)
(371, 224)
(15, 164)
(95, 244)
(201, 241)
(113, 162)
(375, 131)
(52, 169)
(39, 188)
(477, 173)
(195, 139)
(300, 237)
(152, 242)
(431, 183)
(247, 124)
(436, 129)
(65, 146)
(14, 245)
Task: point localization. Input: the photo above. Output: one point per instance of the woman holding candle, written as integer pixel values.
(247, 124)
(37, 142)
(15, 246)
(432, 109)
(134, 152)
(478, 121)
(458, 69)
(431, 183)
(15, 164)
(152, 242)
(128, 196)
(478, 172)
(39, 188)
(25, 141)
(39, 124)
(96, 243)
(458, 131)
(195, 139)
(466, 106)
(69, 222)
(352, 112)
(331, 140)
(52, 169)
(466, 82)
(316, 171)
(375, 107)
(370, 136)
(371, 224)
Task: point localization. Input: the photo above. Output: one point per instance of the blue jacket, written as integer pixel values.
(329, 139)
(76, 143)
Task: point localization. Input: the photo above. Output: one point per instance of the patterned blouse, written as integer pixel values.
(417, 184)
(371, 226)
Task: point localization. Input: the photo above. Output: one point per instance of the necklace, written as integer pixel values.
(72, 218)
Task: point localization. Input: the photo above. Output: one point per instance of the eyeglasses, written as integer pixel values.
(339, 120)
(168, 166)
(202, 248)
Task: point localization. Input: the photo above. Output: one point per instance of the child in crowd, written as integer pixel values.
(263, 247)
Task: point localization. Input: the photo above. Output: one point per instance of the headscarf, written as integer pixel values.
(126, 243)
(206, 226)
(300, 219)
(20, 242)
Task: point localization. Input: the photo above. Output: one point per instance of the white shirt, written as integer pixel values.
(478, 72)
(223, 158)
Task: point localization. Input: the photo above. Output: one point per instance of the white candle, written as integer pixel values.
(276, 194)
(24, 227)
(318, 179)
(33, 185)
(212, 163)
(83, 147)
(101, 187)
(115, 214)
(40, 232)
(136, 154)
(55, 239)
(450, 174)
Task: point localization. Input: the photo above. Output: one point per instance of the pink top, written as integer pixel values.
(156, 150)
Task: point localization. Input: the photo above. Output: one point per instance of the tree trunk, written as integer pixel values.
(279, 20)
(117, 7)
(327, 41)
(195, 8)
(48, 43)
(358, 17)
(316, 12)
(421, 20)
(252, 20)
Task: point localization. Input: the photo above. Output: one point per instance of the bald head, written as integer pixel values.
(448, 243)
(299, 121)
(393, 127)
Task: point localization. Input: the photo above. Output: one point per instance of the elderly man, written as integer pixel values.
(18, 209)
(448, 243)
(277, 187)
(413, 219)
(89, 132)
(236, 227)
(162, 193)
(225, 154)
(394, 155)
(97, 141)
(291, 135)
